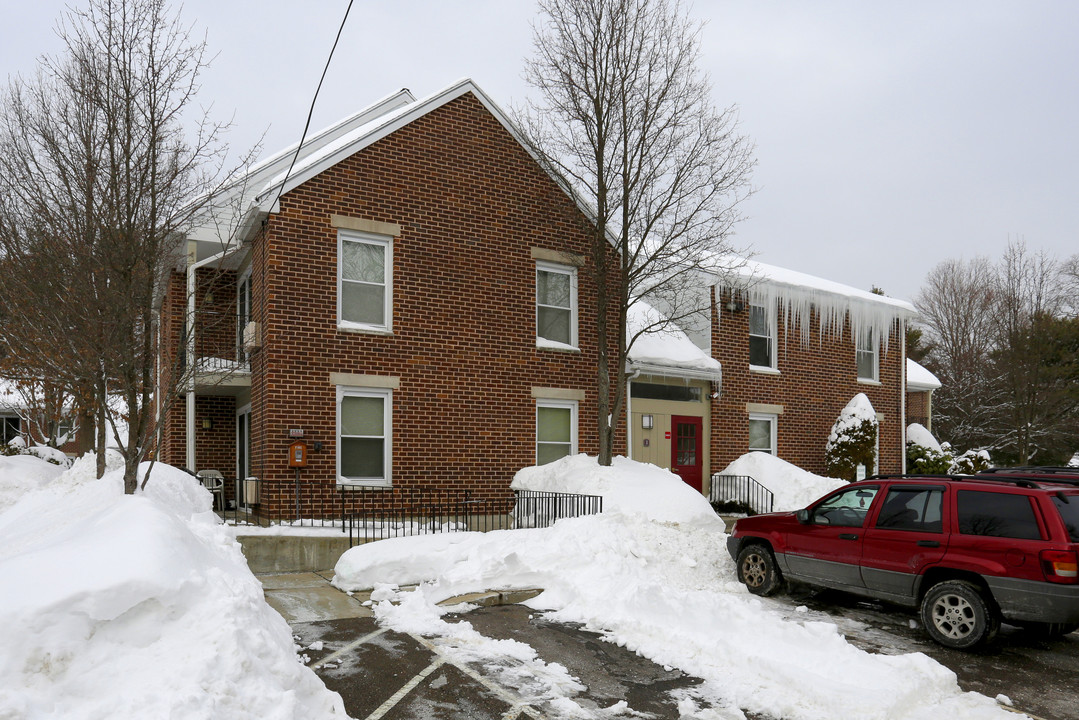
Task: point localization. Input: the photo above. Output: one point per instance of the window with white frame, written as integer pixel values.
(556, 430)
(364, 280)
(762, 433)
(556, 304)
(762, 342)
(363, 435)
(866, 355)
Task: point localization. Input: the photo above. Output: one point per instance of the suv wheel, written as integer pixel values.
(957, 615)
(757, 569)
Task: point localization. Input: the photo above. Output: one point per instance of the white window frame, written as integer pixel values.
(384, 241)
(771, 336)
(571, 271)
(386, 394)
(559, 404)
(874, 351)
(773, 421)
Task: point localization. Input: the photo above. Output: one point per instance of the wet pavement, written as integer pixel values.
(383, 673)
(1038, 675)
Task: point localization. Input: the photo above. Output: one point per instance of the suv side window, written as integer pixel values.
(912, 508)
(996, 514)
(845, 509)
(1068, 506)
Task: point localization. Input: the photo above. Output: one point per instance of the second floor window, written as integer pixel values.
(556, 304)
(761, 337)
(866, 356)
(364, 283)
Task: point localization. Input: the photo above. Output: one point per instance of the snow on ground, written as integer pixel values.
(662, 588)
(793, 487)
(20, 474)
(138, 606)
(627, 487)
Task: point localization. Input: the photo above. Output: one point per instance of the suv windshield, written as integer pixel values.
(1068, 505)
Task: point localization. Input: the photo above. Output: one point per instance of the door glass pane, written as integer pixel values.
(362, 457)
(363, 261)
(362, 416)
(553, 425)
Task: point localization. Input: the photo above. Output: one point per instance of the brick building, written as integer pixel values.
(411, 299)
(794, 349)
(412, 302)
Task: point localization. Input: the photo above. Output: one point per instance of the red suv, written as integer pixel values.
(970, 551)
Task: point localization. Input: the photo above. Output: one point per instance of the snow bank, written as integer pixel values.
(665, 591)
(918, 435)
(793, 487)
(138, 606)
(20, 474)
(628, 487)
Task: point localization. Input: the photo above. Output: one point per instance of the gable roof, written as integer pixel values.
(381, 126)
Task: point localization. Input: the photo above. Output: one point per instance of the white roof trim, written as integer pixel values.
(645, 368)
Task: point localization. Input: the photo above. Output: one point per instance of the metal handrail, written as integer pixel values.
(740, 493)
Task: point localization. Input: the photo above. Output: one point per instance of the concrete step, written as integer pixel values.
(291, 553)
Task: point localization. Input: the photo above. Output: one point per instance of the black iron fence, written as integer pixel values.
(377, 513)
(367, 513)
(739, 494)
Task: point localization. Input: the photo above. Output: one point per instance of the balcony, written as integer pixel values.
(221, 366)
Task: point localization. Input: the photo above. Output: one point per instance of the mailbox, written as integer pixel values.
(297, 454)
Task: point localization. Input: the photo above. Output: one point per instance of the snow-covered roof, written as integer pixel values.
(667, 351)
(919, 379)
(798, 294)
(219, 219)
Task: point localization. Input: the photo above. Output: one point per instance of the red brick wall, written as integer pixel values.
(471, 204)
(813, 385)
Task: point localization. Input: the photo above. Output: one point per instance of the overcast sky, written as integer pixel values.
(890, 135)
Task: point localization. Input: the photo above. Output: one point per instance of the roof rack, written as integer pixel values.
(1039, 469)
(1025, 482)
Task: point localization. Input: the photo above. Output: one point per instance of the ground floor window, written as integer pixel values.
(762, 433)
(556, 430)
(363, 435)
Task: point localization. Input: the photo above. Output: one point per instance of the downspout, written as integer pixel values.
(903, 398)
(629, 412)
(192, 255)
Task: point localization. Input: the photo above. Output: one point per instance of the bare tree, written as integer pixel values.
(625, 118)
(100, 167)
(956, 305)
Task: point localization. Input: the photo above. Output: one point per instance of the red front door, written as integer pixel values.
(686, 445)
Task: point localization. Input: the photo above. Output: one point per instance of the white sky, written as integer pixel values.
(890, 136)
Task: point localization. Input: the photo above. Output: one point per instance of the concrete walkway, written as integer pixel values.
(381, 673)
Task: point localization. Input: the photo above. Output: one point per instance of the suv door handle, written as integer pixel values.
(928, 543)
(848, 536)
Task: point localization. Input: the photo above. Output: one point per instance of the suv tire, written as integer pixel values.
(957, 615)
(757, 569)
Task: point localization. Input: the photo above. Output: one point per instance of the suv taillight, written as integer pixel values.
(1060, 566)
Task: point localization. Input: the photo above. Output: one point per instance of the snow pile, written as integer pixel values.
(20, 474)
(793, 487)
(666, 591)
(138, 606)
(627, 487)
(859, 410)
(918, 435)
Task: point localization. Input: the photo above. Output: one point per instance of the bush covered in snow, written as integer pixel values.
(17, 446)
(926, 455)
(853, 440)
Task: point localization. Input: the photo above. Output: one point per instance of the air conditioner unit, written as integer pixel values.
(252, 337)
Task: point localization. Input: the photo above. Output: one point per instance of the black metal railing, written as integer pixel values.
(739, 494)
(377, 513)
(367, 513)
